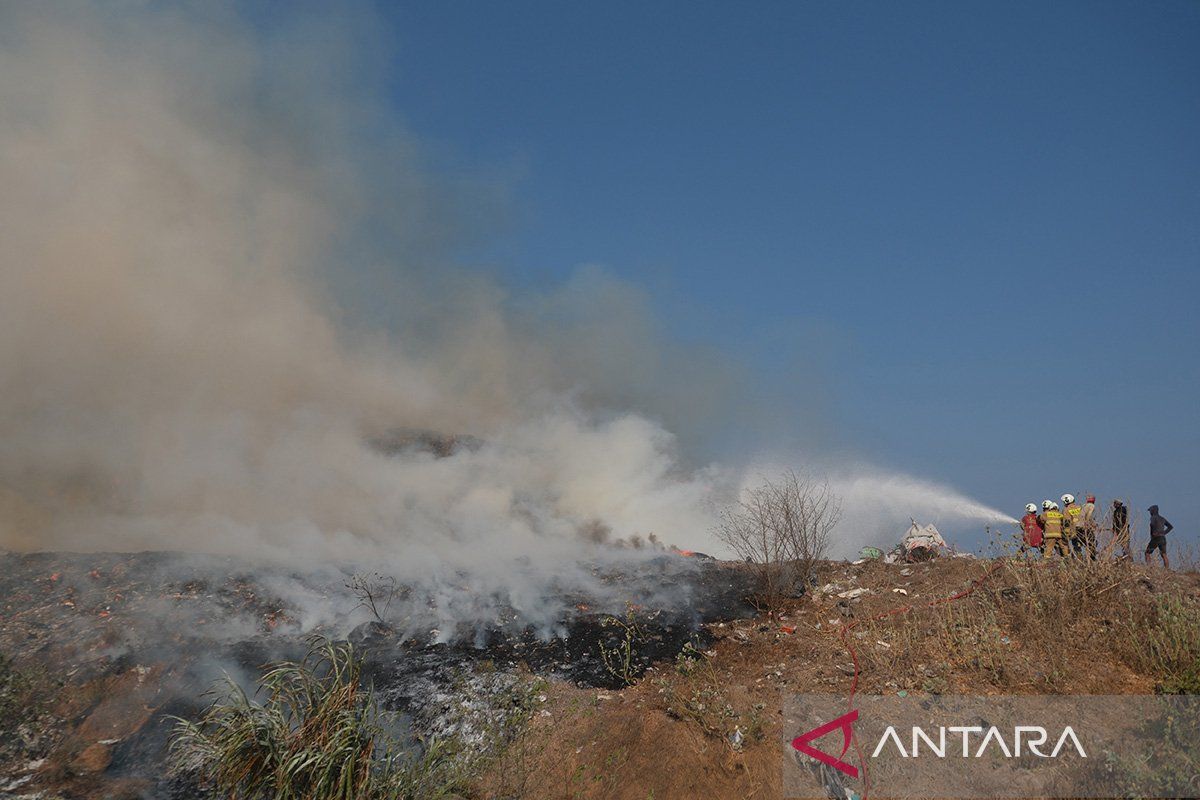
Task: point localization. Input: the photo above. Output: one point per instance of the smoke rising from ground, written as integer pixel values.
(174, 371)
(176, 374)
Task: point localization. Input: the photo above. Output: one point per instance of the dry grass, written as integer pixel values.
(1166, 643)
(1037, 626)
(317, 735)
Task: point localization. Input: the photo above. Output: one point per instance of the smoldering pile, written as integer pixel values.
(136, 638)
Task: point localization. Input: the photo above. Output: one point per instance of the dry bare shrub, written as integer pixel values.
(1185, 557)
(376, 593)
(781, 528)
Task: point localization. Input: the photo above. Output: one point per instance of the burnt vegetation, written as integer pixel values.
(110, 657)
(134, 641)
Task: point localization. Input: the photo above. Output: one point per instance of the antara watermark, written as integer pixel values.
(1033, 737)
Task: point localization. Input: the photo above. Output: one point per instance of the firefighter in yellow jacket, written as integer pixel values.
(1073, 523)
(1052, 524)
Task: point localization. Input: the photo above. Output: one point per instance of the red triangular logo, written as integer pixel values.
(845, 721)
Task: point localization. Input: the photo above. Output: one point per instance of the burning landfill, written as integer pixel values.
(137, 639)
(216, 446)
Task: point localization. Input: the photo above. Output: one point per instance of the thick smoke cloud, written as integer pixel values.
(182, 188)
(175, 372)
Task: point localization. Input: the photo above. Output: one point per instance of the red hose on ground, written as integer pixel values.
(844, 635)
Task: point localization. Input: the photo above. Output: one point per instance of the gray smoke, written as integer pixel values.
(185, 194)
(176, 373)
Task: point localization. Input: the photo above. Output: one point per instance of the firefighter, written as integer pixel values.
(1052, 525)
(1031, 524)
(1072, 528)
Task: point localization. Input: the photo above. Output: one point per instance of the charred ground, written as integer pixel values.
(119, 644)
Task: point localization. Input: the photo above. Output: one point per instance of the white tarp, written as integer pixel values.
(922, 542)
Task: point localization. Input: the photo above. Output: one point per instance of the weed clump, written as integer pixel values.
(318, 734)
(1167, 644)
(618, 657)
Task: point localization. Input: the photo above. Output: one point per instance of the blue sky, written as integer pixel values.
(968, 232)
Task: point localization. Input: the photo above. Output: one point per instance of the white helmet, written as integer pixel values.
(1031, 508)
(1047, 505)
(1054, 506)
(1068, 499)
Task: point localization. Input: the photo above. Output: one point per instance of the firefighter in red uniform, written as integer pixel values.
(1032, 526)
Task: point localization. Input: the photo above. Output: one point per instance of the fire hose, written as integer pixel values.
(903, 609)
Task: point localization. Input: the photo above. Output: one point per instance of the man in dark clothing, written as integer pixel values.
(1159, 528)
(1120, 529)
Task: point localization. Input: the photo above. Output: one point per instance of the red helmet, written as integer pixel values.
(1091, 498)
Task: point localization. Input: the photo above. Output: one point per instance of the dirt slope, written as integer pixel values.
(1023, 629)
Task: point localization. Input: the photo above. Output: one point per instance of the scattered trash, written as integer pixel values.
(902, 693)
(736, 738)
(891, 558)
(870, 552)
(898, 590)
(859, 561)
(17, 783)
(906, 571)
(788, 629)
(850, 594)
(883, 644)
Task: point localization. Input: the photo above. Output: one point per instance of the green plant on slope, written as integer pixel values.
(317, 735)
(1172, 645)
(618, 659)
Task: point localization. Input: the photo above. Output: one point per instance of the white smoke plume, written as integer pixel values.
(874, 504)
(180, 184)
(877, 506)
